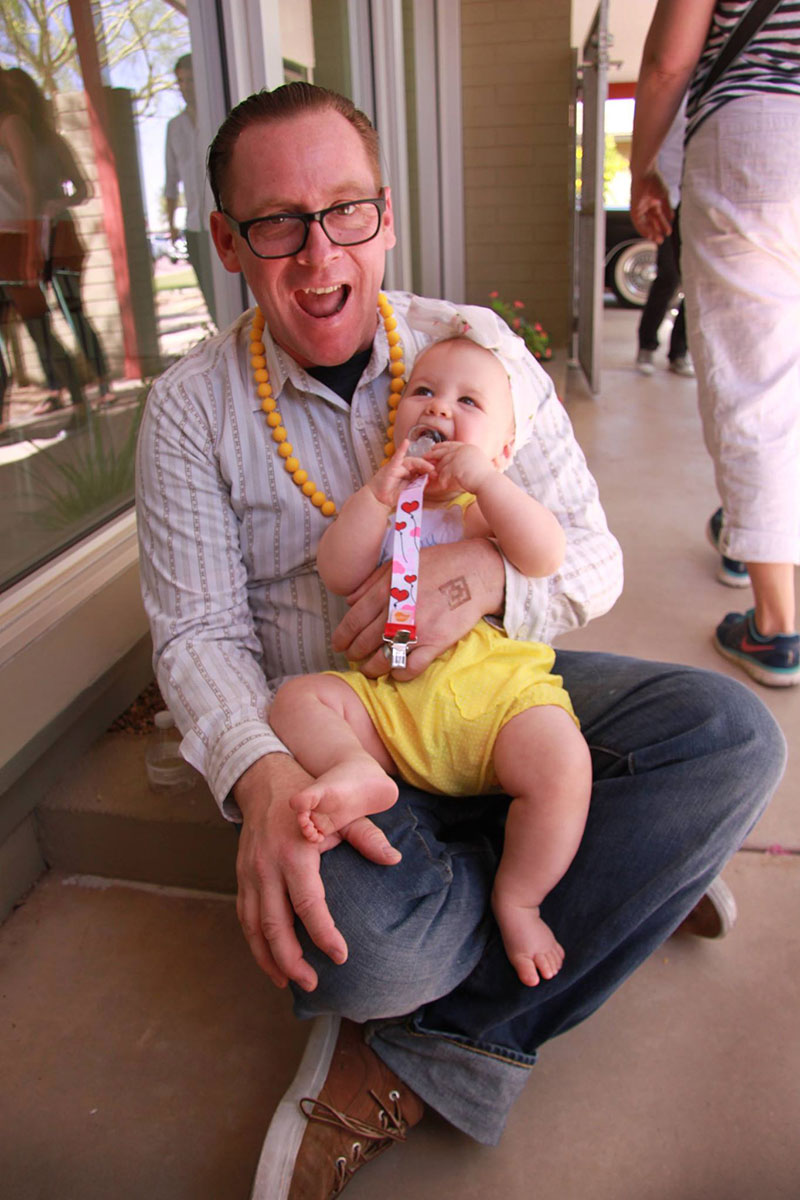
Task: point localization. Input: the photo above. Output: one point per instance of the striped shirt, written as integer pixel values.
(769, 63)
(228, 542)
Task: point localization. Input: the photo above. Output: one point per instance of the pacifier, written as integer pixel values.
(421, 439)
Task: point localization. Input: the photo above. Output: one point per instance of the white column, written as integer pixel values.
(390, 120)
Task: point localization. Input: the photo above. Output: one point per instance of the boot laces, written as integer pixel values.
(372, 1139)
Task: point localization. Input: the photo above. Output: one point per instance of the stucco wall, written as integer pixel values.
(517, 86)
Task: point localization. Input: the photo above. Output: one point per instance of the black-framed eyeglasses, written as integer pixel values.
(285, 233)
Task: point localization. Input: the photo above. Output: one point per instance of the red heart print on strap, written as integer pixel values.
(399, 630)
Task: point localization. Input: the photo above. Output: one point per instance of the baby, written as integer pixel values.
(487, 715)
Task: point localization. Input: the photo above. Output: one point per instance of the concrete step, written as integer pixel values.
(102, 818)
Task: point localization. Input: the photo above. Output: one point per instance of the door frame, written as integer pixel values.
(589, 238)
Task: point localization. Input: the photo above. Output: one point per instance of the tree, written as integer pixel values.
(138, 43)
(614, 163)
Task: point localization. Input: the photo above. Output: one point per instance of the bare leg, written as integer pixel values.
(541, 760)
(773, 588)
(328, 730)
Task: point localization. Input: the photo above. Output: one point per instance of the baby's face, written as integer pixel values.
(461, 390)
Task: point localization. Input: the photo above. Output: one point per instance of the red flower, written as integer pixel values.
(515, 324)
(493, 295)
(518, 304)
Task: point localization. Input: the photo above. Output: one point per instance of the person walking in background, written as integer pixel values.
(741, 270)
(186, 164)
(668, 270)
(62, 187)
(23, 253)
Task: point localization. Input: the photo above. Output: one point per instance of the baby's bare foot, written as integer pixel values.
(355, 788)
(530, 943)
(313, 827)
(532, 966)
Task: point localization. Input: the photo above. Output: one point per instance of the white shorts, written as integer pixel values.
(740, 225)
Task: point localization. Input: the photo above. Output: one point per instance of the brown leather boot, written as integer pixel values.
(344, 1108)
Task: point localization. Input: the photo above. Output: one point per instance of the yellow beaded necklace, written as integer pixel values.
(269, 405)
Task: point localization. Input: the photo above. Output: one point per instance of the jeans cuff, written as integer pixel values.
(472, 1089)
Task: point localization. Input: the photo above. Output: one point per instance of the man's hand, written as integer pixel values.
(278, 872)
(459, 584)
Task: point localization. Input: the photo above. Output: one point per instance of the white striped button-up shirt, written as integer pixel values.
(228, 541)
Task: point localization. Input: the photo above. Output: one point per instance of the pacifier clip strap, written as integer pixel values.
(400, 630)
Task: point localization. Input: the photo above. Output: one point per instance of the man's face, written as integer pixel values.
(185, 80)
(320, 304)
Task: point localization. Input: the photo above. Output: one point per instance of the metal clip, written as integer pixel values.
(400, 646)
(399, 654)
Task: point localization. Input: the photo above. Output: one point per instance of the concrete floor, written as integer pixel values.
(142, 1053)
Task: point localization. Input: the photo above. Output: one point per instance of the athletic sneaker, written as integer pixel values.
(682, 366)
(774, 661)
(731, 572)
(644, 361)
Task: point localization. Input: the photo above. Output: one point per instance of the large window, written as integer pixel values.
(112, 281)
(112, 277)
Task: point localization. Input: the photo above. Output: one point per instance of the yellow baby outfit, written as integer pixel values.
(441, 727)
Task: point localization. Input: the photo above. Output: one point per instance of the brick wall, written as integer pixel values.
(517, 87)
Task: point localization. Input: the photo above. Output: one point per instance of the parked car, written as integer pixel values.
(162, 247)
(630, 259)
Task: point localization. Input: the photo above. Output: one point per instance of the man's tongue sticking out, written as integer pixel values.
(322, 302)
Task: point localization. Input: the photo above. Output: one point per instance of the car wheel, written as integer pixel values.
(633, 271)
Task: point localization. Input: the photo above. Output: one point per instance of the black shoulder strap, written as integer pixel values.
(745, 31)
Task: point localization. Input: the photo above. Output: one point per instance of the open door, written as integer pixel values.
(590, 214)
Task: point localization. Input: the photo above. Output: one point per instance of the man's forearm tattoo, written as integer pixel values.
(456, 591)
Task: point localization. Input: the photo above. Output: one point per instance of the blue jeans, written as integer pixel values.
(684, 763)
(662, 290)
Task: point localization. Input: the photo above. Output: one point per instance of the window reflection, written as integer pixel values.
(185, 158)
(106, 279)
(104, 262)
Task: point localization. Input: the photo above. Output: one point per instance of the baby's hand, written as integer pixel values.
(460, 465)
(389, 480)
